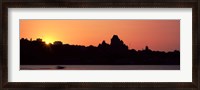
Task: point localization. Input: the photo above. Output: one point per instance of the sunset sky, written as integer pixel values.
(162, 35)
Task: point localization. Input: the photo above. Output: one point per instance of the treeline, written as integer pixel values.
(36, 52)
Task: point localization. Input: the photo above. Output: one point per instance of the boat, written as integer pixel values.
(60, 67)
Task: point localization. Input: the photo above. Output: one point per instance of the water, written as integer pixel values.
(99, 67)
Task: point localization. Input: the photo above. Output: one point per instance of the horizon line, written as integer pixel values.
(97, 45)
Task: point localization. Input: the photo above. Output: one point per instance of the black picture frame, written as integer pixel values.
(194, 4)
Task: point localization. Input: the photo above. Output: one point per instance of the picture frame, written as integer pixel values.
(102, 4)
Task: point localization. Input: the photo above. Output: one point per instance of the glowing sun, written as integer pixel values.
(48, 40)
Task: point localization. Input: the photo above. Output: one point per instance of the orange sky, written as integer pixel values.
(162, 35)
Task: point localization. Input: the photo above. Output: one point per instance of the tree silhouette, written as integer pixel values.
(36, 52)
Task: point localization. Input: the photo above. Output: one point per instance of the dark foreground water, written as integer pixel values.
(99, 67)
